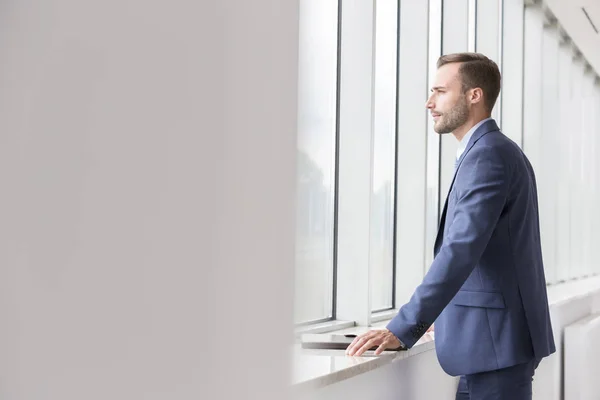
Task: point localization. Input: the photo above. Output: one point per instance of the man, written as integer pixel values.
(486, 289)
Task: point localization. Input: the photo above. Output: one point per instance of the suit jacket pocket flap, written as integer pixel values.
(479, 299)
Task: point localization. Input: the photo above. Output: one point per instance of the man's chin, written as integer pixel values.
(440, 130)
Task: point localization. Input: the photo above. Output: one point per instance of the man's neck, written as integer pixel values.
(460, 132)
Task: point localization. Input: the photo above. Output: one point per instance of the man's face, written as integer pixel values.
(447, 103)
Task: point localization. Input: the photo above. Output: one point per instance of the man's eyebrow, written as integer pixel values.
(437, 88)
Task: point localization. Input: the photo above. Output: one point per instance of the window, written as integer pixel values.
(549, 145)
(488, 39)
(384, 156)
(363, 158)
(372, 173)
(317, 105)
(575, 147)
(563, 251)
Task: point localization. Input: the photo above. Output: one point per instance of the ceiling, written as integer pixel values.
(575, 23)
(592, 7)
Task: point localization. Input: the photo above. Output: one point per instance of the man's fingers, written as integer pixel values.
(357, 345)
(370, 343)
(381, 348)
(382, 339)
(358, 350)
(357, 342)
(387, 343)
(353, 345)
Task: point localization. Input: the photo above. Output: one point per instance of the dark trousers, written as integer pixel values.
(512, 383)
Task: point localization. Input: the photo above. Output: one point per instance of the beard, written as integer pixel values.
(456, 117)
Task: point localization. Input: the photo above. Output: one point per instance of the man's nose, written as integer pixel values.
(429, 104)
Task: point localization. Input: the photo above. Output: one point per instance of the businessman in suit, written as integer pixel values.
(486, 289)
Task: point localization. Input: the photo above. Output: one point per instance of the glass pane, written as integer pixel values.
(316, 160)
(382, 201)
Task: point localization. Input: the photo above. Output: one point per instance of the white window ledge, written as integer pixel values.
(313, 369)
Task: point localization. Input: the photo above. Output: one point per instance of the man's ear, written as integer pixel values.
(476, 96)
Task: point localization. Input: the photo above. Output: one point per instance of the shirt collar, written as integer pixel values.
(462, 145)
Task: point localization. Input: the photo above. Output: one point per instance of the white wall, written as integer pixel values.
(549, 378)
(137, 145)
(582, 359)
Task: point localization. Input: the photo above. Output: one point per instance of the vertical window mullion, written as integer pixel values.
(432, 196)
(456, 39)
(488, 27)
(532, 105)
(575, 150)
(548, 146)
(564, 124)
(587, 168)
(512, 70)
(411, 152)
(355, 176)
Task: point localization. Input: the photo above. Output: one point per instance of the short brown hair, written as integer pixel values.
(476, 71)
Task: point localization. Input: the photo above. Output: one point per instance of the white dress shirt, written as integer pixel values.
(462, 145)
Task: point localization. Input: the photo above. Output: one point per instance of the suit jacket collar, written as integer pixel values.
(485, 128)
(462, 146)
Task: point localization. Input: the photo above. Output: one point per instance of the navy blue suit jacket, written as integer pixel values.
(486, 289)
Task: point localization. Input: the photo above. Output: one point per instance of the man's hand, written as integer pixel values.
(382, 338)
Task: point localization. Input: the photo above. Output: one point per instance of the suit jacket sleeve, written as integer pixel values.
(482, 188)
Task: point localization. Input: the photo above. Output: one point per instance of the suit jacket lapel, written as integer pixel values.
(485, 128)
